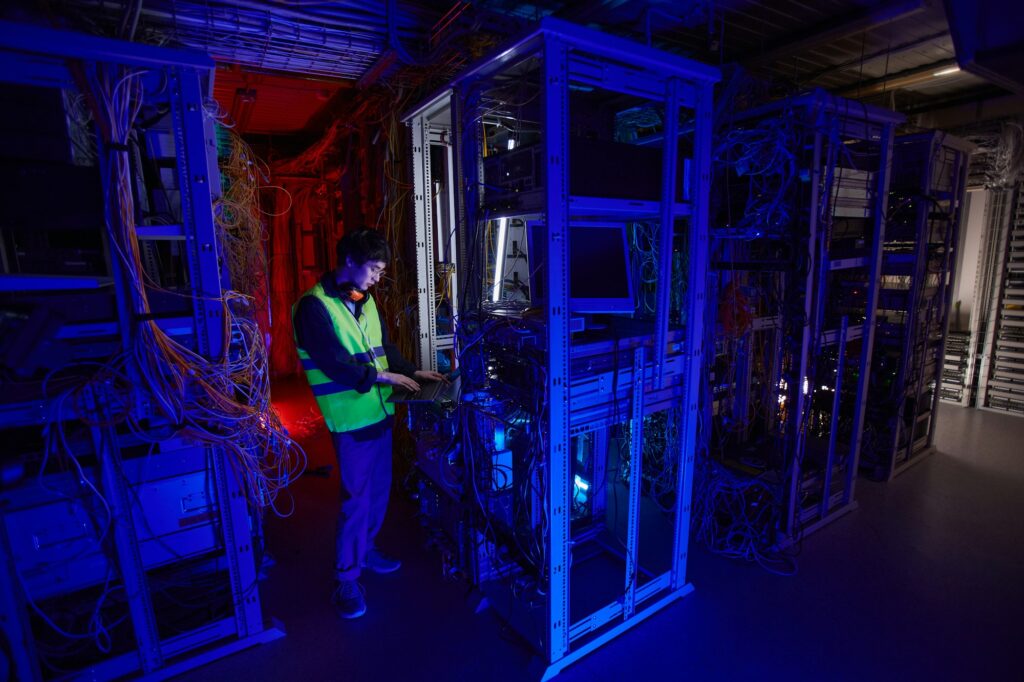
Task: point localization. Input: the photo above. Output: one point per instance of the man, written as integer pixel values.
(351, 368)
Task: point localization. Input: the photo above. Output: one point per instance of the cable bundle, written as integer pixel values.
(762, 154)
(659, 458)
(239, 217)
(222, 401)
(1009, 156)
(737, 517)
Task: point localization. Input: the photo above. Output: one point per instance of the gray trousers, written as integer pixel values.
(365, 467)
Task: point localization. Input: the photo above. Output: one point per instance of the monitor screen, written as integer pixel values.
(600, 274)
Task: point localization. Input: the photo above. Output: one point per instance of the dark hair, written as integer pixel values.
(361, 246)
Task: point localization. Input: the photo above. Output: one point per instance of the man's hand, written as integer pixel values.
(428, 375)
(400, 380)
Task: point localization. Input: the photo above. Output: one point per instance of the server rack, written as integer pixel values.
(437, 246)
(954, 368)
(561, 483)
(1001, 372)
(926, 200)
(798, 260)
(140, 510)
(969, 351)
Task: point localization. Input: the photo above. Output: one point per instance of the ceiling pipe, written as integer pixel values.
(900, 80)
(975, 97)
(825, 33)
(984, 105)
(903, 47)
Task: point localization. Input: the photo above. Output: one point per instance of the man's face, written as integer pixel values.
(366, 275)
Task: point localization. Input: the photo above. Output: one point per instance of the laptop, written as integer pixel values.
(430, 392)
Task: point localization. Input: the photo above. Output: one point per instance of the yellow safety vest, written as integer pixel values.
(346, 409)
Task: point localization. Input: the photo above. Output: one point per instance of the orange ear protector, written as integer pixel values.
(349, 291)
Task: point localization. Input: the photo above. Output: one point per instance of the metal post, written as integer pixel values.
(196, 180)
(126, 543)
(468, 198)
(451, 237)
(556, 114)
(833, 433)
(874, 284)
(424, 242)
(957, 197)
(695, 309)
(668, 227)
(234, 516)
(797, 420)
(910, 358)
(636, 450)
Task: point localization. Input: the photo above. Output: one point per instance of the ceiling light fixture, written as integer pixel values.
(946, 72)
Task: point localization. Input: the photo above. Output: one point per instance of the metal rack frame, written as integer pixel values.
(432, 129)
(930, 169)
(857, 122)
(817, 113)
(970, 349)
(43, 57)
(1001, 370)
(571, 56)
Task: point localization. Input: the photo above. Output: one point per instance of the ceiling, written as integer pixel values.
(264, 103)
(897, 54)
(284, 60)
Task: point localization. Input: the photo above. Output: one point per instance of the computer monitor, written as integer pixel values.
(600, 272)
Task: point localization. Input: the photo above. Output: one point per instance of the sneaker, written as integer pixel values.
(379, 562)
(348, 599)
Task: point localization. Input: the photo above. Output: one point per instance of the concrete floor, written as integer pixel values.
(924, 581)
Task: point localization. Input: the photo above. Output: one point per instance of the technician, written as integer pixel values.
(351, 368)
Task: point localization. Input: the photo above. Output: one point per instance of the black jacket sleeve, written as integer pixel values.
(396, 361)
(314, 333)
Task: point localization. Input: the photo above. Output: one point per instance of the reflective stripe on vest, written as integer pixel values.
(346, 409)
